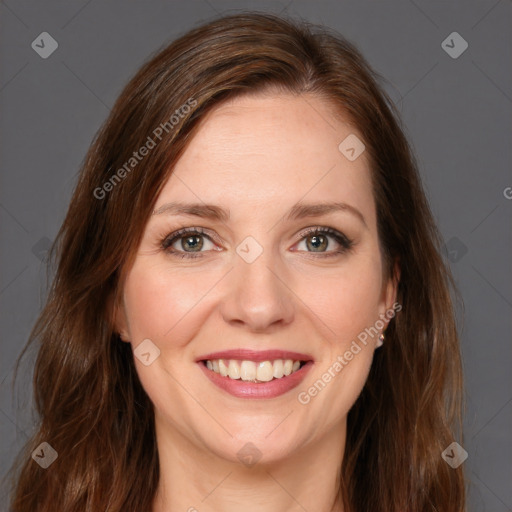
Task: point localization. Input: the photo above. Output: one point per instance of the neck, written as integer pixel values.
(197, 480)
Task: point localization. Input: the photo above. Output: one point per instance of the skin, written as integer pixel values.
(257, 156)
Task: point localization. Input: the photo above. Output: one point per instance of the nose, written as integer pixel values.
(257, 296)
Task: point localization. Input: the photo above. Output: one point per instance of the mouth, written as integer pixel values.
(250, 374)
(254, 371)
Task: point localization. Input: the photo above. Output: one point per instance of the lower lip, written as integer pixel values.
(247, 389)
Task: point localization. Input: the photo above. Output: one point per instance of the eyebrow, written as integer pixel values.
(298, 211)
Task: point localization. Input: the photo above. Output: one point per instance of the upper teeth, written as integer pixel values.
(263, 371)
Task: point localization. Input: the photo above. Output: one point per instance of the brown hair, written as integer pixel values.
(93, 410)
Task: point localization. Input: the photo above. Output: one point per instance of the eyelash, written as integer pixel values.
(345, 243)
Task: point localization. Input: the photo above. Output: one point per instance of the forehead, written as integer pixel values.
(270, 150)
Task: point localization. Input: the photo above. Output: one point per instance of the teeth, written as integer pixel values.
(248, 370)
(261, 371)
(265, 371)
(223, 369)
(278, 369)
(234, 370)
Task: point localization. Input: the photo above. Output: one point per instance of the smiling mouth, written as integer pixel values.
(254, 371)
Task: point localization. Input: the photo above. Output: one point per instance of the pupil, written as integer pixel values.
(194, 241)
(318, 241)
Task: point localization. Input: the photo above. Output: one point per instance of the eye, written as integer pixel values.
(187, 243)
(318, 240)
(192, 242)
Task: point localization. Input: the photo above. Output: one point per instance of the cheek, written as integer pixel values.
(160, 303)
(346, 301)
(349, 305)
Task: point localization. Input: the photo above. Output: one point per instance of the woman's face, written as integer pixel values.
(248, 295)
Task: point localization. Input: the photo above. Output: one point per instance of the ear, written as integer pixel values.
(119, 317)
(390, 291)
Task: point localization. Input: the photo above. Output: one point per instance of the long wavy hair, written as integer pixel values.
(90, 404)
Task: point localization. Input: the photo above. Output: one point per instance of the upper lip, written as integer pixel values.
(255, 355)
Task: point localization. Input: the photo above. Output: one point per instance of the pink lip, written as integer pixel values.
(254, 355)
(247, 389)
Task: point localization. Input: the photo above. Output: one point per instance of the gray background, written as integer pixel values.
(456, 113)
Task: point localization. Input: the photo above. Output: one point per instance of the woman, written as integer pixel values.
(250, 306)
